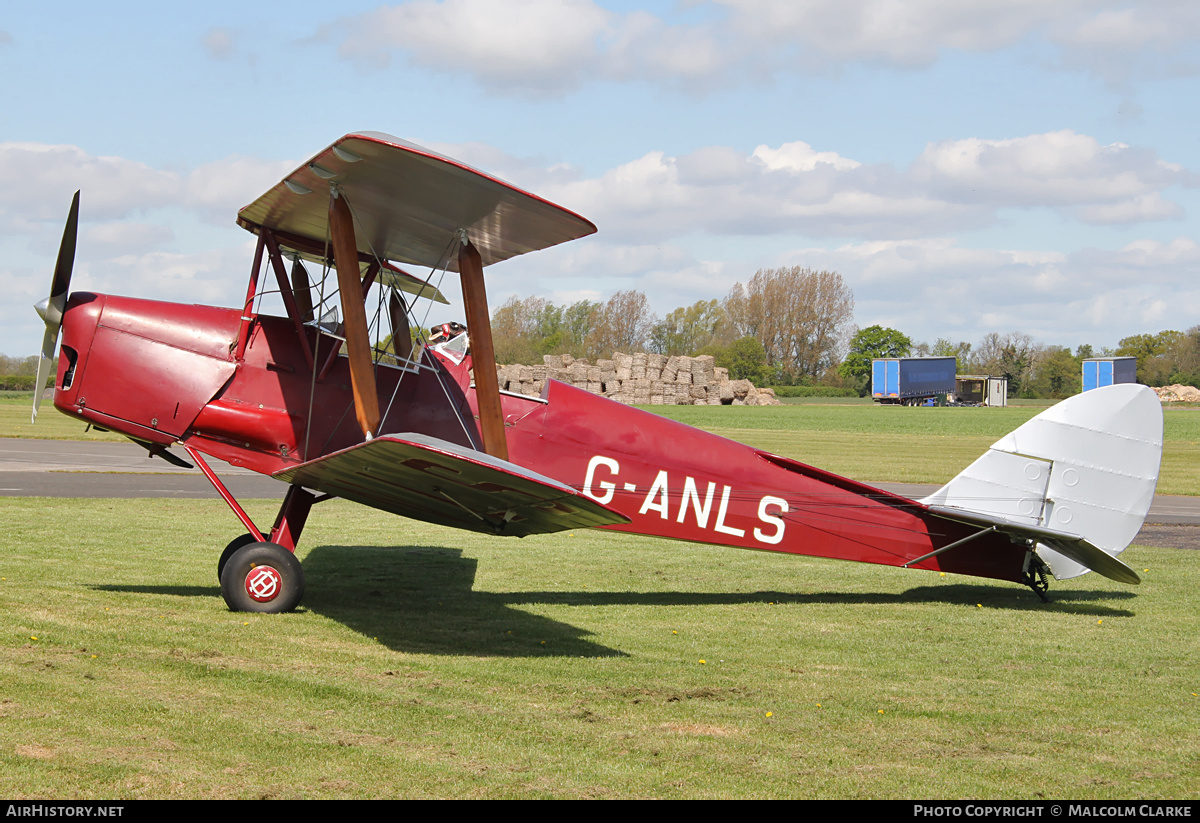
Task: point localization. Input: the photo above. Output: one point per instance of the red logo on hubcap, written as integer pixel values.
(263, 584)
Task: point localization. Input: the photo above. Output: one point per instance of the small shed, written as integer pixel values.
(1106, 371)
(980, 390)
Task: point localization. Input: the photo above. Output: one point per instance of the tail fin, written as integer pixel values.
(1078, 479)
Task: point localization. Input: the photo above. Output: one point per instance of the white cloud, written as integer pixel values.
(799, 156)
(1054, 169)
(1140, 209)
(534, 45)
(117, 237)
(38, 180)
(796, 189)
(224, 186)
(898, 32)
(550, 47)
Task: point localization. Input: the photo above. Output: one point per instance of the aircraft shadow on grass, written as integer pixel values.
(421, 600)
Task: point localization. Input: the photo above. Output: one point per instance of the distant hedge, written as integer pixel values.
(19, 382)
(813, 391)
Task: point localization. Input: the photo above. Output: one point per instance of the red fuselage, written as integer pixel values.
(241, 389)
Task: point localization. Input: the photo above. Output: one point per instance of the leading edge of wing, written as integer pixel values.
(1074, 546)
(409, 203)
(425, 478)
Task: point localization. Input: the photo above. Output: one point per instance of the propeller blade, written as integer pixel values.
(43, 371)
(51, 309)
(66, 252)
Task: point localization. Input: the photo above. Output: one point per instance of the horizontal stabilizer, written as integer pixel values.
(425, 478)
(1079, 479)
(1069, 545)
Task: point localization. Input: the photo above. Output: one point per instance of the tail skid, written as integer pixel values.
(1077, 481)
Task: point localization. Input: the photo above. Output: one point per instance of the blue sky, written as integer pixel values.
(999, 165)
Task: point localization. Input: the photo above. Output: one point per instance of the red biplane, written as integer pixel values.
(425, 431)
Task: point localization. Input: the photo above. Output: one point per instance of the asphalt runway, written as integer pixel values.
(66, 468)
(74, 468)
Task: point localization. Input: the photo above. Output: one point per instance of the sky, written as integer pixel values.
(997, 165)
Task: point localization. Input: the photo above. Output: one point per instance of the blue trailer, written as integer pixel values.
(910, 381)
(1106, 371)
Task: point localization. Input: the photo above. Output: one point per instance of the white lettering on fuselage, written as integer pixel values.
(658, 499)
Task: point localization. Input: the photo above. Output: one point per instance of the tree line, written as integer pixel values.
(783, 326)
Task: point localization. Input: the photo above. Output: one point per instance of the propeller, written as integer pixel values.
(51, 309)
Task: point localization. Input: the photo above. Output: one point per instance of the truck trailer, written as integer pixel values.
(910, 381)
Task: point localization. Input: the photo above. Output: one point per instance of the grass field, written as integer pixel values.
(432, 663)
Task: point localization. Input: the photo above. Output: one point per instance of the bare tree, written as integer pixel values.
(802, 317)
(621, 324)
(1011, 355)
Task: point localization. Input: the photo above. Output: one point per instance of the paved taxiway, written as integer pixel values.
(63, 468)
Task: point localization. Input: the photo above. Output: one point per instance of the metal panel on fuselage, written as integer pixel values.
(675, 481)
(148, 363)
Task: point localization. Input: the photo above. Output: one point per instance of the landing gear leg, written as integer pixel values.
(1036, 575)
(259, 571)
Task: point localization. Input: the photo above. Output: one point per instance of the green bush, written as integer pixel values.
(813, 391)
(18, 382)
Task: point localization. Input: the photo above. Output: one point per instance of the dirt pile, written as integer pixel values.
(1178, 393)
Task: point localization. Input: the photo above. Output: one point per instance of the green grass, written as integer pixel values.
(434, 663)
(52, 424)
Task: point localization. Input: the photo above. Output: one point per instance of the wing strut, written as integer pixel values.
(483, 354)
(358, 341)
(401, 336)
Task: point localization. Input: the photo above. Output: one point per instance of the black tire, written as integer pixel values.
(269, 570)
(234, 545)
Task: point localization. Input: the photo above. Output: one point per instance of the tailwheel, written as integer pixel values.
(262, 577)
(1036, 575)
(234, 545)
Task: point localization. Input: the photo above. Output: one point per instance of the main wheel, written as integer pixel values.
(262, 577)
(234, 545)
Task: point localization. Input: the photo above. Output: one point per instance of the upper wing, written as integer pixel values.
(408, 204)
(430, 479)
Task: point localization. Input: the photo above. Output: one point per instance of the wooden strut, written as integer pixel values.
(285, 291)
(358, 342)
(401, 336)
(239, 349)
(483, 354)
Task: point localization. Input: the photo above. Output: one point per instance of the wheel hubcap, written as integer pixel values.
(263, 584)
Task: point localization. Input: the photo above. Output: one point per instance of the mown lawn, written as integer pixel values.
(433, 663)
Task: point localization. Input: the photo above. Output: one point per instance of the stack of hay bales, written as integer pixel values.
(640, 380)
